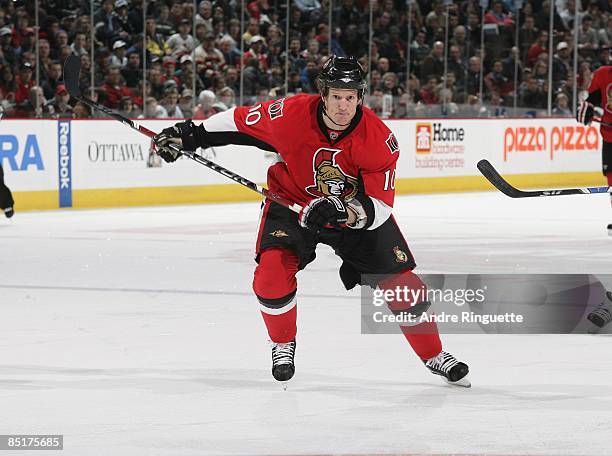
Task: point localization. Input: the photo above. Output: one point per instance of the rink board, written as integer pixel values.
(52, 164)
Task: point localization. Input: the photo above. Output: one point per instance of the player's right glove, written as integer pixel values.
(182, 134)
(320, 212)
(585, 113)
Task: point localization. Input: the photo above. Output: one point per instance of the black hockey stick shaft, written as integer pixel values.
(491, 174)
(72, 68)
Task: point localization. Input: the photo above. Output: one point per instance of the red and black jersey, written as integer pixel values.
(600, 94)
(316, 161)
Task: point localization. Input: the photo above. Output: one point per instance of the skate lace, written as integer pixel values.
(604, 310)
(443, 362)
(283, 353)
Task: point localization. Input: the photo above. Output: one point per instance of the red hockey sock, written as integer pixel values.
(423, 337)
(609, 176)
(275, 286)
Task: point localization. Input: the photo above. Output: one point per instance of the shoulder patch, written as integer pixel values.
(392, 143)
(275, 110)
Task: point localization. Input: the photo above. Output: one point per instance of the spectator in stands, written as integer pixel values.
(53, 80)
(169, 70)
(540, 71)
(60, 40)
(44, 57)
(132, 72)
(59, 107)
(375, 79)
(538, 48)
(588, 41)
(562, 62)
(496, 15)
(24, 83)
(114, 88)
(561, 108)
(390, 85)
(472, 82)
(205, 107)
(256, 51)
(153, 110)
(231, 54)
(459, 40)
(228, 97)
(605, 34)
(204, 15)
(182, 42)
(429, 94)
(170, 104)
(81, 111)
(528, 34)
(185, 72)
(603, 57)
(495, 105)
(495, 81)
(309, 8)
(85, 74)
(294, 82)
(510, 63)
(118, 57)
(8, 88)
(456, 64)
(127, 108)
(568, 14)
(7, 51)
(208, 54)
(531, 95)
(433, 64)
(79, 46)
(156, 43)
(186, 103)
(34, 105)
(252, 29)
(232, 78)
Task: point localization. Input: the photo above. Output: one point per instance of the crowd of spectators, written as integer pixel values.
(162, 58)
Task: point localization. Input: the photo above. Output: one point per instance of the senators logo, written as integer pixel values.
(279, 234)
(329, 178)
(400, 255)
(392, 143)
(275, 109)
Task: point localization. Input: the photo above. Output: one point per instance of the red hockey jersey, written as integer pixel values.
(602, 83)
(317, 162)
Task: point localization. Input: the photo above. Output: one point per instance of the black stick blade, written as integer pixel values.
(488, 171)
(72, 69)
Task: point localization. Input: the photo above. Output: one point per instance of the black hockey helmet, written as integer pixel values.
(342, 73)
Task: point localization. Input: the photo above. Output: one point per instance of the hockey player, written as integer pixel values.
(600, 95)
(6, 198)
(338, 162)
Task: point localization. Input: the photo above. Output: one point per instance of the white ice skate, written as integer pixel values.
(453, 371)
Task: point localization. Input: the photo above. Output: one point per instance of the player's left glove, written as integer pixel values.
(181, 134)
(320, 212)
(585, 113)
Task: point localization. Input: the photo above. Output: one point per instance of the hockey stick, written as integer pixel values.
(488, 171)
(72, 68)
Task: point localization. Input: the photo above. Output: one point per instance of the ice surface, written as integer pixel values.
(135, 332)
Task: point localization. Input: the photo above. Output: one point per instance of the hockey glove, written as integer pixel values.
(183, 131)
(321, 212)
(585, 113)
